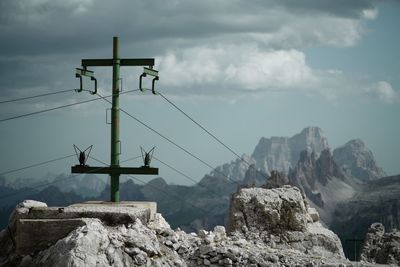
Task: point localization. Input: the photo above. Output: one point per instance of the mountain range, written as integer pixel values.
(341, 184)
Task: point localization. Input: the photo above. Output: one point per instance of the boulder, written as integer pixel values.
(281, 217)
(380, 246)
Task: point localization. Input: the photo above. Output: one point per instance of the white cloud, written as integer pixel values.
(243, 69)
(237, 67)
(305, 31)
(370, 13)
(384, 92)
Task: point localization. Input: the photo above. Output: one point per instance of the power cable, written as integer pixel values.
(177, 171)
(187, 177)
(208, 132)
(35, 96)
(199, 125)
(133, 158)
(47, 184)
(53, 182)
(60, 107)
(170, 141)
(36, 164)
(159, 189)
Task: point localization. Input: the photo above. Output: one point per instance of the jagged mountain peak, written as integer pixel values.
(254, 177)
(235, 170)
(321, 180)
(356, 143)
(313, 131)
(282, 153)
(312, 139)
(158, 182)
(357, 160)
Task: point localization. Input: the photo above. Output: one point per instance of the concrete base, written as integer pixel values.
(152, 206)
(39, 234)
(41, 227)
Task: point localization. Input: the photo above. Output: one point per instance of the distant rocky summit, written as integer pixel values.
(267, 227)
(322, 182)
(358, 161)
(282, 153)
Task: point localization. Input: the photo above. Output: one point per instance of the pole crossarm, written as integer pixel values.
(122, 62)
(114, 170)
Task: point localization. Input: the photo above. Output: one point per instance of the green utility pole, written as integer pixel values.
(115, 122)
(115, 170)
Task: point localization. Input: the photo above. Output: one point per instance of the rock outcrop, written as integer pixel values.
(358, 161)
(380, 246)
(280, 217)
(268, 227)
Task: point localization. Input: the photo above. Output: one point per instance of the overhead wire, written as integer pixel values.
(144, 124)
(207, 131)
(187, 176)
(56, 181)
(159, 189)
(35, 96)
(198, 124)
(48, 183)
(170, 141)
(36, 164)
(60, 107)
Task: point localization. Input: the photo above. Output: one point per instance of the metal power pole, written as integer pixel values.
(115, 122)
(114, 170)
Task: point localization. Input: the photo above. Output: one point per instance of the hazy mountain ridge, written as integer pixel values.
(322, 181)
(282, 153)
(378, 201)
(89, 185)
(358, 161)
(204, 205)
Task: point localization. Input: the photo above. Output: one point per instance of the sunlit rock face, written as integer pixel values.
(281, 218)
(358, 161)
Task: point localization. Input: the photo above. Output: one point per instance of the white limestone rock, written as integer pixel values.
(281, 218)
(380, 246)
(98, 245)
(159, 222)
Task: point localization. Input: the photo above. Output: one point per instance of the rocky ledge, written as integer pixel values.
(267, 227)
(380, 246)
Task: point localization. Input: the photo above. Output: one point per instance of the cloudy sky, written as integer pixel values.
(243, 69)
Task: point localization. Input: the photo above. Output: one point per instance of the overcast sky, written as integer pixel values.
(243, 69)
